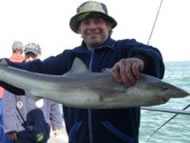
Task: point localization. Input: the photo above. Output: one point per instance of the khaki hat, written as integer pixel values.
(33, 48)
(17, 45)
(90, 9)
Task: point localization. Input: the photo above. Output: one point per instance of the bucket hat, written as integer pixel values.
(88, 9)
(33, 47)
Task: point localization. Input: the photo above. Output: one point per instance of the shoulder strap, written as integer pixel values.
(25, 124)
(21, 116)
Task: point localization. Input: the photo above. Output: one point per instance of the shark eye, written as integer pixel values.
(165, 88)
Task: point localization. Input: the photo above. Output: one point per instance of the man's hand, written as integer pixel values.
(12, 136)
(128, 70)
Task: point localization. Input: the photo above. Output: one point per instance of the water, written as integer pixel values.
(178, 129)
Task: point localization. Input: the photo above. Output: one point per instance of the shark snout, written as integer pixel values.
(178, 93)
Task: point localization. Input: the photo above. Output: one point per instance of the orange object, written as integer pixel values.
(16, 57)
(1, 92)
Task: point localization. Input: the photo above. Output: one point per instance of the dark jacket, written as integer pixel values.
(100, 125)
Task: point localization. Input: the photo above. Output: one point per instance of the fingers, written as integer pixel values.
(128, 71)
(136, 69)
(13, 137)
(116, 72)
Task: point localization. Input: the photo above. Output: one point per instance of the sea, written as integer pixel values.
(178, 129)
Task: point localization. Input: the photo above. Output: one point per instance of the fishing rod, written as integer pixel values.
(154, 24)
(161, 109)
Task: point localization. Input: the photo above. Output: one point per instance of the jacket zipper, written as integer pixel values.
(89, 110)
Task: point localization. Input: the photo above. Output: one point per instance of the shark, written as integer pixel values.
(80, 88)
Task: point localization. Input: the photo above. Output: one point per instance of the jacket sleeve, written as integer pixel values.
(152, 57)
(56, 117)
(9, 112)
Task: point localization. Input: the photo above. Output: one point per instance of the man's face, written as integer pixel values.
(94, 31)
(30, 57)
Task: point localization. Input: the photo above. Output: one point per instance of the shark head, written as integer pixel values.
(171, 90)
(164, 89)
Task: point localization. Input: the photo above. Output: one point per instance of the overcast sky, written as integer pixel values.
(46, 22)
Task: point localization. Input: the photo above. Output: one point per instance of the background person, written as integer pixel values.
(17, 52)
(27, 108)
(17, 56)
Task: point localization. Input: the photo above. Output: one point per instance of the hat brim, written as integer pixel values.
(31, 51)
(76, 20)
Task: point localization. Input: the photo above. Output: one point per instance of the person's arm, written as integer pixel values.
(140, 58)
(9, 115)
(152, 58)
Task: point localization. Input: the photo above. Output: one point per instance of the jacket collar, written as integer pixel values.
(108, 44)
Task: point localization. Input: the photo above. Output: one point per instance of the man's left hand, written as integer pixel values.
(128, 70)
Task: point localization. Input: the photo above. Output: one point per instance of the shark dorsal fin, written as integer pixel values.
(78, 66)
(4, 62)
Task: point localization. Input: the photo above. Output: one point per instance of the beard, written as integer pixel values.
(94, 41)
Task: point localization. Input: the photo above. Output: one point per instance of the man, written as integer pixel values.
(17, 56)
(127, 59)
(17, 52)
(24, 109)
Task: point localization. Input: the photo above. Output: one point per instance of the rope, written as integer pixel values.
(151, 33)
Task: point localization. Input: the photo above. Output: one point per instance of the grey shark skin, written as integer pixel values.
(83, 89)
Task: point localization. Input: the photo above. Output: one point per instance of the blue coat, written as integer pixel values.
(100, 125)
